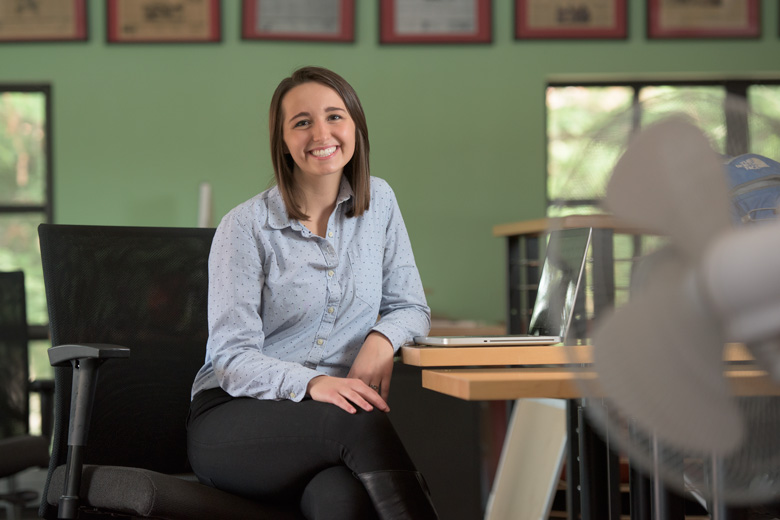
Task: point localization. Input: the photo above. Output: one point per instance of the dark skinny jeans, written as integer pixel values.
(305, 453)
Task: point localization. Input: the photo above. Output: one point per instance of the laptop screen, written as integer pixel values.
(559, 282)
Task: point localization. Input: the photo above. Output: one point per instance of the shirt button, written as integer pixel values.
(330, 234)
(320, 342)
(292, 394)
(331, 273)
(331, 310)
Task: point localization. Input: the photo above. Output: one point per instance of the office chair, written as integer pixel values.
(127, 312)
(18, 450)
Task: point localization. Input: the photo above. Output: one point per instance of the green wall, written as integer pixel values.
(458, 131)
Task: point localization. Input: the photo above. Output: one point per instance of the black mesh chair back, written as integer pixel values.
(144, 289)
(14, 371)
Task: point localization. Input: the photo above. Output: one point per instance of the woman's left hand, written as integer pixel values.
(374, 363)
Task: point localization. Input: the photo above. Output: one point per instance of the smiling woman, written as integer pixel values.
(297, 363)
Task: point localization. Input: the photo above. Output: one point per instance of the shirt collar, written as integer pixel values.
(277, 211)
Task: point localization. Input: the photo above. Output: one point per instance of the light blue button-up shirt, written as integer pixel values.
(286, 305)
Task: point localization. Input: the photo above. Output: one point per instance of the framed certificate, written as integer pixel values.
(43, 21)
(703, 19)
(561, 19)
(313, 20)
(163, 21)
(435, 21)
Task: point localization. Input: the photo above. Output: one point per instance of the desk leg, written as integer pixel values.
(671, 504)
(573, 499)
(640, 495)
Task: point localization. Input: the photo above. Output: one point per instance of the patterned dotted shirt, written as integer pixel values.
(286, 305)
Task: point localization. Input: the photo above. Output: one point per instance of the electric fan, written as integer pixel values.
(659, 356)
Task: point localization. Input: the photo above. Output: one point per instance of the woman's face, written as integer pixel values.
(318, 131)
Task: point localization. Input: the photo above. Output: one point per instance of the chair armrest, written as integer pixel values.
(85, 359)
(61, 355)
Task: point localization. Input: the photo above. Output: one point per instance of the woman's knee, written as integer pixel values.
(370, 441)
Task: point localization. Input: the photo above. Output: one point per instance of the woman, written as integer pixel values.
(291, 402)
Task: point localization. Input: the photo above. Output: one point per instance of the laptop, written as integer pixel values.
(554, 307)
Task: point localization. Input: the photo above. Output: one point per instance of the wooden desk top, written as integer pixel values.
(421, 356)
(542, 225)
(560, 383)
(502, 378)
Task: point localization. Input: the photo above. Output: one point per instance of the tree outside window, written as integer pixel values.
(25, 201)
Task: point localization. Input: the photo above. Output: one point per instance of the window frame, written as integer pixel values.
(37, 331)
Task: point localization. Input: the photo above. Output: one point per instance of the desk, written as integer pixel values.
(615, 247)
(509, 373)
(533, 380)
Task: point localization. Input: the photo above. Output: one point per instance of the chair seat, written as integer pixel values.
(148, 494)
(22, 452)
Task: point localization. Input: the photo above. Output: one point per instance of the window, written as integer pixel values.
(26, 201)
(587, 126)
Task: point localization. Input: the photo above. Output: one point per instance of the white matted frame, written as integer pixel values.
(302, 20)
(422, 21)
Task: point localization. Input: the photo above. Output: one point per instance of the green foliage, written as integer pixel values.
(574, 114)
(765, 132)
(22, 147)
(23, 181)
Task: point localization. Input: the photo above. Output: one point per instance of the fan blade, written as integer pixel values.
(742, 276)
(659, 360)
(670, 181)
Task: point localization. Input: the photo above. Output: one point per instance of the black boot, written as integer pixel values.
(399, 495)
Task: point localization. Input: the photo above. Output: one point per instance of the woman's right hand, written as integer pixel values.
(345, 393)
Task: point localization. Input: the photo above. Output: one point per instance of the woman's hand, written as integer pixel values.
(344, 393)
(374, 364)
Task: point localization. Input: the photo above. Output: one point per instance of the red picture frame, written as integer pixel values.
(670, 19)
(562, 19)
(291, 25)
(45, 21)
(452, 23)
(153, 21)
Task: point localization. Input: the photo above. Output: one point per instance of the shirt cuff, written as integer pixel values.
(397, 335)
(295, 390)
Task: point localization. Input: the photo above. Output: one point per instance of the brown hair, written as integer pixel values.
(356, 170)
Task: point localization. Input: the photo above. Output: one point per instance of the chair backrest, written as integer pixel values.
(145, 289)
(14, 370)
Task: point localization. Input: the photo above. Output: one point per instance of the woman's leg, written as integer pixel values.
(336, 494)
(273, 449)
